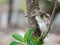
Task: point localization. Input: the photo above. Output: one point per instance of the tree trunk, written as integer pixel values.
(10, 9)
(31, 6)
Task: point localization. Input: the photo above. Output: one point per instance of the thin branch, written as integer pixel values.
(51, 20)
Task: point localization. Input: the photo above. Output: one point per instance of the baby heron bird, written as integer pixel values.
(43, 20)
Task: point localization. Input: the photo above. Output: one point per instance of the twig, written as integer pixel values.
(51, 20)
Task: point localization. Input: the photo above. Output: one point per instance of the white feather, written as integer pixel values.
(42, 25)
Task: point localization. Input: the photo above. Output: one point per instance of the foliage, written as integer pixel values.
(28, 39)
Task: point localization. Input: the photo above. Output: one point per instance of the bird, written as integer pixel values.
(43, 20)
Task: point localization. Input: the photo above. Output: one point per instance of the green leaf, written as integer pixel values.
(28, 34)
(34, 40)
(40, 43)
(14, 43)
(31, 42)
(18, 37)
(41, 40)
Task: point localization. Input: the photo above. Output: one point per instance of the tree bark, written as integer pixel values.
(31, 6)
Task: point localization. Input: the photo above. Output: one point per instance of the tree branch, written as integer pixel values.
(51, 19)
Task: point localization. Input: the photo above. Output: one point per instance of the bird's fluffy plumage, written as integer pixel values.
(43, 22)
